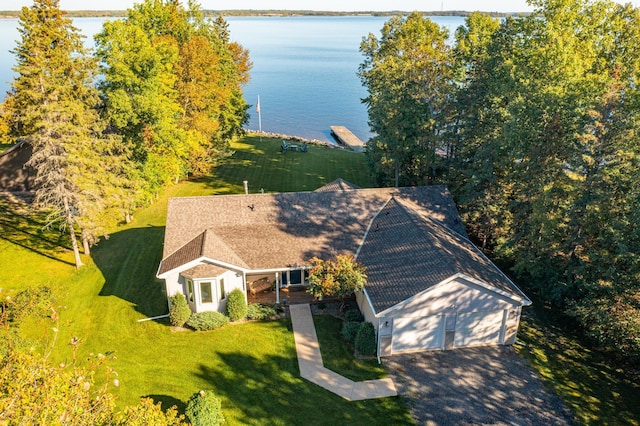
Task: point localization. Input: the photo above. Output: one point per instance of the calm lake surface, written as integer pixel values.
(304, 68)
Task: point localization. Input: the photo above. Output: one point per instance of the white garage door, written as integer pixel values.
(412, 334)
(478, 328)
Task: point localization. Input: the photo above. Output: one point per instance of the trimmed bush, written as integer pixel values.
(204, 409)
(256, 311)
(353, 315)
(350, 329)
(203, 321)
(236, 305)
(180, 312)
(365, 342)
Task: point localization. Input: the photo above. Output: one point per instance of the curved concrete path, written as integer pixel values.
(312, 367)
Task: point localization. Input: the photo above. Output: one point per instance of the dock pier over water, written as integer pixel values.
(348, 139)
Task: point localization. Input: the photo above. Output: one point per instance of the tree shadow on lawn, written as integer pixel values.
(128, 261)
(168, 401)
(591, 382)
(25, 228)
(270, 391)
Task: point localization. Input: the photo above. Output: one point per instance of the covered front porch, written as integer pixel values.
(282, 287)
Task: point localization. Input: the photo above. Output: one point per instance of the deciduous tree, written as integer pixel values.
(340, 277)
(407, 72)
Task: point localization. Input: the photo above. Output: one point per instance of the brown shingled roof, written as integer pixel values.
(266, 231)
(338, 185)
(409, 239)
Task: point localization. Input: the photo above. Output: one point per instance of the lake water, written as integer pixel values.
(304, 68)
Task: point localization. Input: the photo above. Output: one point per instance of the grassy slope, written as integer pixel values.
(596, 392)
(251, 366)
(257, 377)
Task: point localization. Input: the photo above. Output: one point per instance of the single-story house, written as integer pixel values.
(429, 286)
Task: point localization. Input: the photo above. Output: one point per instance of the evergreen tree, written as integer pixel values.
(51, 105)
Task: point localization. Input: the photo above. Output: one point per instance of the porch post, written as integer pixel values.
(277, 288)
(244, 287)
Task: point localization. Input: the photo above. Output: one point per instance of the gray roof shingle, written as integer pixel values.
(406, 253)
(416, 238)
(338, 185)
(266, 231)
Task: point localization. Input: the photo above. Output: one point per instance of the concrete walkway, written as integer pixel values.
(312, 367)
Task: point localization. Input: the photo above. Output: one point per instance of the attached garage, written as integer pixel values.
(430, 288)
(448, 331)
(459, 312)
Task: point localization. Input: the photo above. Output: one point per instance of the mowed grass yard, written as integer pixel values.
(251, 366)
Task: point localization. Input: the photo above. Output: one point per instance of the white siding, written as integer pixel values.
(366, 309)
(173, 285)
(232, 281)
(461, 296)
(481, 317)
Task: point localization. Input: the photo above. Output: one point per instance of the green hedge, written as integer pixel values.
(365, 342)
(256, 311)
(353, 315)
(203, 321)
(350, 329)
(204, 409)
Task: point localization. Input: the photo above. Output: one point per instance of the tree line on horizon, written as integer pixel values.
(166, 104)
(268, 12)
(532, 122)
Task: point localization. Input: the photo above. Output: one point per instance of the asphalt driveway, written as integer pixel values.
(484, 385)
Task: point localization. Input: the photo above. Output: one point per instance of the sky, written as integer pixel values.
(332, 5)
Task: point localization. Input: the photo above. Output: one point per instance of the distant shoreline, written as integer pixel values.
(12, 14)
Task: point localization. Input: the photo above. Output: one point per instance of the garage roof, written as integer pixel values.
(406, 252)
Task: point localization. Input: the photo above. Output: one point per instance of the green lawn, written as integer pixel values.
(264, 166)
(251, 366)
(337, 353)
(5, 146)
(585, 379)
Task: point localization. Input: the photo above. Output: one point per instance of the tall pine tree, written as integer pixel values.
(51, 106)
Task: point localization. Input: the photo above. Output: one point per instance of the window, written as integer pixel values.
(205, 292)
(222, 293)
(190, 290)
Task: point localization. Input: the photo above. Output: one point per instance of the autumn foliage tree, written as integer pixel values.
(340, 277)
(36, 391)
(173, 88)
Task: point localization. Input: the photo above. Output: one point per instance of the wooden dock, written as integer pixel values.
(348, 139)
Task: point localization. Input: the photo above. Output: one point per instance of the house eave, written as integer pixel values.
(521, 301)
(196, 262)
(225, 265)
